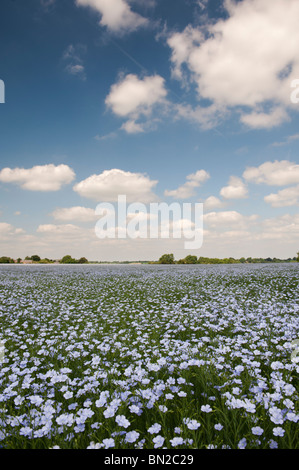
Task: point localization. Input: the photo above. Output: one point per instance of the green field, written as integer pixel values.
(186, 357)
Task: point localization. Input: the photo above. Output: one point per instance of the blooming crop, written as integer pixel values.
(193, 356)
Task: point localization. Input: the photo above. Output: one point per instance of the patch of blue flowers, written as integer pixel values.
(152, 356)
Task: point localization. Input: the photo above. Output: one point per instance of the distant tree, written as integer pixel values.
(83, 260)
(167, 259)
(35, 258)
(298, 256)
(67, 259)
(27, 258)
(203, 260)
(242, 260)
(19, 260)
(6, 260)
(190, 259)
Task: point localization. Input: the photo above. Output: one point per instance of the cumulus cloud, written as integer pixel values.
(64, 233)
(39, 178)
(228, 218)
(5, 228)
(182, 45)
(285, 227)
(206, 116)
(246, 61)
(76, 213)
(7, 231)
(277, 173)
(187, 190)
(213, 202)
(135, 98)
(108, 185)
(132, 127)
(261, 120)
(236, 189)
(116, 15)
(284, 198)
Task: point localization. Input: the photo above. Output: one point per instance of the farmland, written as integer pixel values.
(149, 357)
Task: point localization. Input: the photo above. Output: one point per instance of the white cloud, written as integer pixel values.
(182, 45)
(136, 98)
(50, 228)
(246, 61)
(76, 70)
(277, 173)
(285, 227)
(236, 235)
(77, 213)
(206, 116)
(7, 231)
(116, 15)
(64, 231)
(108, 185)
(236, 189)
(187, 190)
(5, 228)
(261, 120)
(39, 178)
(132, 127)
(213, 202)
(228, 218)
(284, 198)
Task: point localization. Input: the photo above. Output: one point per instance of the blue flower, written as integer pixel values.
(158, 441)
(206, 408)
(121, 420)
(132, 436)
(257, 431)
(278, 431)
(155, 428)
(242, 443)
(108, 443)
(176, 441)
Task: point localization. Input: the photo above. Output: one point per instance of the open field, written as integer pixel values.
(149, 356)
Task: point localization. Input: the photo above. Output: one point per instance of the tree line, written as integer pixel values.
(192, 259)
(67, 259)
(167, 258)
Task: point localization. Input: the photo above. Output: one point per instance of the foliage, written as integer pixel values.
(6, 260)
(166, 259)
(192, 259)
(35, 258)
(67, 259)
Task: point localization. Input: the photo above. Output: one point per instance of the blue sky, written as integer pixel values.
(175, 100)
